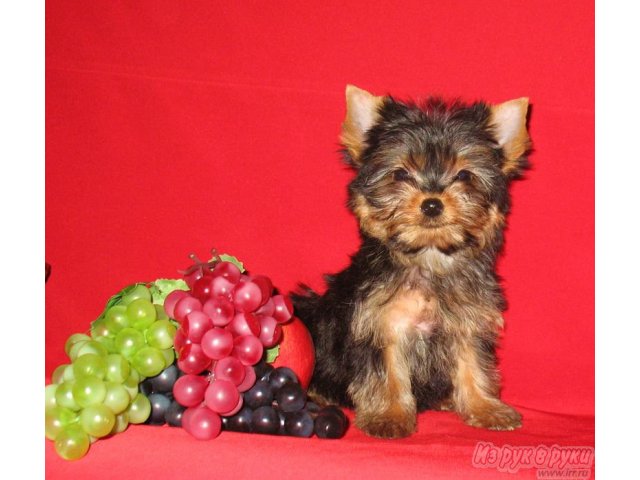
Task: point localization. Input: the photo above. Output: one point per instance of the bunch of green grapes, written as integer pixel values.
(96, 394)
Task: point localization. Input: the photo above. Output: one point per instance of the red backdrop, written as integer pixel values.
(174, 127)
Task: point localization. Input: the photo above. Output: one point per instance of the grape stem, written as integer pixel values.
(197, 263)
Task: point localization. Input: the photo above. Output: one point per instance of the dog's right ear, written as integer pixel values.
(362, 114)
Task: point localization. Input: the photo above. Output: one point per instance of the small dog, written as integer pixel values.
(412, 323)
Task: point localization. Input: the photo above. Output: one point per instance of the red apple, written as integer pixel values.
(297, 351)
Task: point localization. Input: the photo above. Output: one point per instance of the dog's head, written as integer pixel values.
(433, 175)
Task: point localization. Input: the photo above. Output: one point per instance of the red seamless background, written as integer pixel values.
(175, 127)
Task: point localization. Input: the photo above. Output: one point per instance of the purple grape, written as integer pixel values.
(173, 415)
(259, 395)
(312, 407)
(240, 422)
(298, 424)
(159, 406)
(291, 397)
(281, 376)
(330, 422)
(263, 370)
(163, 382)
(265, 420)
(281, 426)
(145, 387)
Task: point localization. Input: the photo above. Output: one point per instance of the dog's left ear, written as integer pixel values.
(362, 114)
(509, 121)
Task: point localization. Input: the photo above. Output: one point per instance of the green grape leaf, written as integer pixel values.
(230, 258)
(163, 287)
(271, 354)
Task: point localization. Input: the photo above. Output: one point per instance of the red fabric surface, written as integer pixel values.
(442, 448)
(174, 127)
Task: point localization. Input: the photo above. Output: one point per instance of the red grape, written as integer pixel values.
(230, 369)
(247, 296)
(185, 306)
(202, 423)
(202, 288)
(236, 409)
(220, 310)
(267, 308)
(245, 324)
(265, 285)
(283, 308)
(180, 341)
(192, 277)
(249, 379)
(221, 396)
(221, 286)
(196, 324)
(270, 331)
(189, 390)
(217, 343)
(227, 270)
(247, 349)
(172, 299)
(193, 360)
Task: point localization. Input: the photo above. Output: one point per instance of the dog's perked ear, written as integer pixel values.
(509, 122)
(362, 114)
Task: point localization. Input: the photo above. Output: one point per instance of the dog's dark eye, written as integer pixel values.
(463, 176)
(401, 175)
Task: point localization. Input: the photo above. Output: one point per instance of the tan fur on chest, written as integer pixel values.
(390, 319)
(408, 312)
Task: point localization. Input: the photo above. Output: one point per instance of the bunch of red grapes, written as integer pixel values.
(226, 319)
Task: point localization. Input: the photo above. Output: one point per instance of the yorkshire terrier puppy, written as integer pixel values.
(412, 323)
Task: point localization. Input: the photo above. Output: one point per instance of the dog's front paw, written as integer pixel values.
(494, 415)
(394, 423)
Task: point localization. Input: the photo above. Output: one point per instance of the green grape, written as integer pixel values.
(142, 313)
(128, 341)
(97, 420)
(56, 419)
(117, 397)
(160, 313)
(72, 442)
(57, 375)
(169, 355)
(139, 410)
(50, 395)
(92, 347)
(134, 375)
(90, 364)
(89, 391)
(116, 318)
(75, 348)
(132, 382)
(160, 334)
(108, 343)
(148, 361)
(68, 375)
(99, 328)
(117, 368)
(64, 396)
(122, 422)
(73, 339)
(136, 292)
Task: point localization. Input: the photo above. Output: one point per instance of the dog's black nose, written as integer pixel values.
(432, 207)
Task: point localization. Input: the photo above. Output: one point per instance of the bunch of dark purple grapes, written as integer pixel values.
(277, 405)
(159, 391)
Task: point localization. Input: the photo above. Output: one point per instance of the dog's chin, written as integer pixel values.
(447, 238)
(435, 226)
